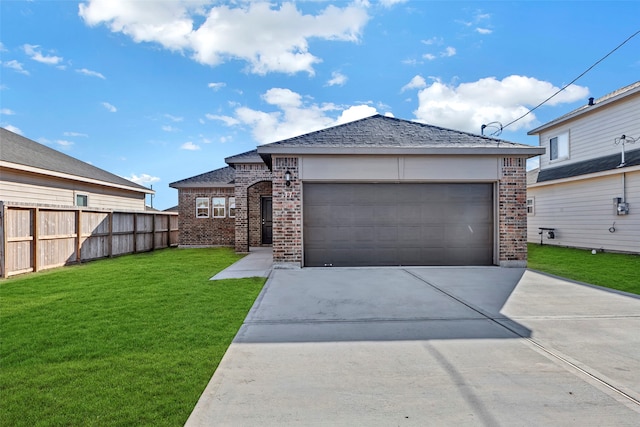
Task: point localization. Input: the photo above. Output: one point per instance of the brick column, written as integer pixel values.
(246, 175)
(512, 213)
(287, 213)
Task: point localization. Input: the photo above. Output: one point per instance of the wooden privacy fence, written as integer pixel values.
(37, 238)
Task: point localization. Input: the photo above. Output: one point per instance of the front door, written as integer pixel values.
(267, 221)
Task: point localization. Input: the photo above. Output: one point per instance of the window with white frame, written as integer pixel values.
(531, 206)
(219, 207)
(202, 207)
(82, 200)
(559, 147)
(232, 207)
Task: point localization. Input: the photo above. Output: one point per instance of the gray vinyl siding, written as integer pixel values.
(28, 188)
(592, 135)
(582, 213)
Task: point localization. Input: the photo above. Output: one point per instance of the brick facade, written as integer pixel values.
(287, 212)
(512, 213)
(247, 175)
(204, 231)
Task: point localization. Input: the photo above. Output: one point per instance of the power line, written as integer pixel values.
(572, 81)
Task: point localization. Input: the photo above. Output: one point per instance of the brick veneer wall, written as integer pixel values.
(287, 212)
(247, 175)
(204, 231)
(512, 213)
(255, 194)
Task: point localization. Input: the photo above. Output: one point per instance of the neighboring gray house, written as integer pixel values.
(32, 173)
(583, 190)
(377, 191)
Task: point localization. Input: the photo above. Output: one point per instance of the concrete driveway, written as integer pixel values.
(429, 346)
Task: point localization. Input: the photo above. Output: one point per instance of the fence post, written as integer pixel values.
(110, 242)
(135, 233)
(5, 240)
(36, 235)
(78, 236)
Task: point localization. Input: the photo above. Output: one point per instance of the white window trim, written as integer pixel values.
(214, 207)
(201, 199)
(531, 205)
(568, 153)
(232, 202)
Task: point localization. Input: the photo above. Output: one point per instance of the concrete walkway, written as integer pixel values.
(429, 346)
(256, 264)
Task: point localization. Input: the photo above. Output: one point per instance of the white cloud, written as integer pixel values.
(337, 79)
(168, 128)
(143, 179)
(429, 56)
(109, 107)
(16, 66)
(6, 112)
(468, 106)
(78, 134)
(2, 48)
(417, 82)
(174, 118)
(390, 3)
(228, 120)
(294, 115)
(63, 143)
(190, 146)
(484, 30)
(449, 51)
(431, 41)
(268, 38)
(13, 129)
(91, 73)
(216, 86)
(356, 112)
(34, 53)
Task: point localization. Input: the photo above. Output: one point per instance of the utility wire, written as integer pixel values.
(573, 81)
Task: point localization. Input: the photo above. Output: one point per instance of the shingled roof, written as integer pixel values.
(23, 152)
(600, 164)
(216, 178)
(614, 96)
(387, 135)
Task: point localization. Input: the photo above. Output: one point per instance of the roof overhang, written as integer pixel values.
(61, 175)
(609, 172)
(202, 185)
(587, 109)
(266, 151)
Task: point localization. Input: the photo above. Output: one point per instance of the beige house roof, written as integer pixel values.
(21, 153)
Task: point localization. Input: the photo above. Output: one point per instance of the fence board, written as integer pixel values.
(37, 238)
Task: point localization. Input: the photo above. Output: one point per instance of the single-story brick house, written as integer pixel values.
(377, 191)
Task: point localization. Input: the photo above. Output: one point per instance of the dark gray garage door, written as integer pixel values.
(397, 224)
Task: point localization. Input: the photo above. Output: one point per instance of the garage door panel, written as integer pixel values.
(398, 224)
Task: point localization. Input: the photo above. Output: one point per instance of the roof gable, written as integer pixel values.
(387, 135)
(383, 131)
(22, 151)
(601, 102)
(216, 178)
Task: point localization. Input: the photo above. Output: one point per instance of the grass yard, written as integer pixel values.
(615, 271)
(125, 341)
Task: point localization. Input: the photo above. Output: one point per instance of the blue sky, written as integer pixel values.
(158, 91)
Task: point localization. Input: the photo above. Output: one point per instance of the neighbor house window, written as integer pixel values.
(202, 207)
(82, 200)
(219, 206)
(232, 207)
(531, 206)
(559, 147)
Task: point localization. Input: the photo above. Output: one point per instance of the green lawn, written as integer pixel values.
(125, 341)
(615, 271)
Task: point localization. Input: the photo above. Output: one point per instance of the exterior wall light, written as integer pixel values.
(287, 178)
